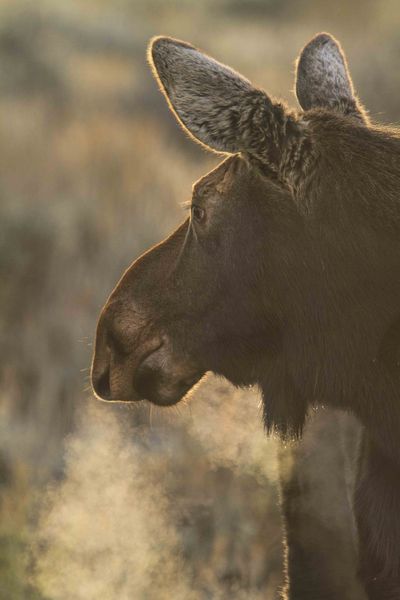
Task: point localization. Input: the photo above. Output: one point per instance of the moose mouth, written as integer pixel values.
(158, 377)
(161, 387)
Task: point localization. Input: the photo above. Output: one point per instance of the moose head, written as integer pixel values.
(274, 278)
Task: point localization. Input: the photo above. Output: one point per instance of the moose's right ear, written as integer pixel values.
(323, 79)
(220, 108)
(206, 96)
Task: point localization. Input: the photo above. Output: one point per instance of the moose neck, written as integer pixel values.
(341, 335)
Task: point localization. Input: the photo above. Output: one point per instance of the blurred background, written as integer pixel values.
(126, 503)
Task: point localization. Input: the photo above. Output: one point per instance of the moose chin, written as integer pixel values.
(286, 275)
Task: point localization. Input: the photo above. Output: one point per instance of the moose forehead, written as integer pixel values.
(219, 180)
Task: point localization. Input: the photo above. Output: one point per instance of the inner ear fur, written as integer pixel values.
(323, 79)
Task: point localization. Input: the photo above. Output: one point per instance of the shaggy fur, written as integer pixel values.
(286, 274)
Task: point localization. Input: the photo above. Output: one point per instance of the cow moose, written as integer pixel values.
(285, 275)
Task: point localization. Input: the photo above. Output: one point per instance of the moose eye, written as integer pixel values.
(198, 214)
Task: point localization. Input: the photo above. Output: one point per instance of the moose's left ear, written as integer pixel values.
(323, 79)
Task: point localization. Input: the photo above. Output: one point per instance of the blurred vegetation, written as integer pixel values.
(92, 171)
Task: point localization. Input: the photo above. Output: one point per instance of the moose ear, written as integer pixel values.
(323, 79)
(217, 106)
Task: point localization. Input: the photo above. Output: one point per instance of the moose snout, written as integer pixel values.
(114, 366)
(146, 369)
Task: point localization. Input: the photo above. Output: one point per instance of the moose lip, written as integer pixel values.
(152, 383)
(185, 388)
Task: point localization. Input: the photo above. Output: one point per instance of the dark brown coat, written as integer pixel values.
(287, 273)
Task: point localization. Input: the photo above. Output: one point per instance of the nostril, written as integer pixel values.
(101, 385)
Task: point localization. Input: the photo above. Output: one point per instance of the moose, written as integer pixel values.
(286, 275)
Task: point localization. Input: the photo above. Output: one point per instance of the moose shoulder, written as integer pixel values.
(286, 275)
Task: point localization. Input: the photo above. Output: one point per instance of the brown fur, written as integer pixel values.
(286, 274)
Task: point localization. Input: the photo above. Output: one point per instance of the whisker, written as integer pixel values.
(186, 205)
